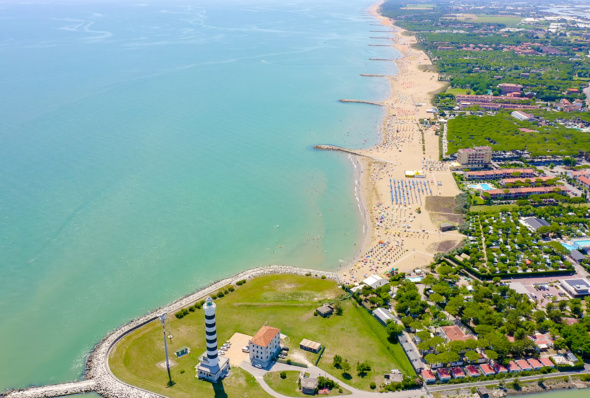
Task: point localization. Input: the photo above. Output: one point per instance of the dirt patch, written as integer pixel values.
(444, 246)
(439, 218)
(441, 204)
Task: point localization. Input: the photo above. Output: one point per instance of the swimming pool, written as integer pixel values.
(483, 187)
(581, 244)
(569, 247)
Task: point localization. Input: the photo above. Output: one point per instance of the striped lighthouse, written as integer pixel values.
(211, 331)
(211, 367)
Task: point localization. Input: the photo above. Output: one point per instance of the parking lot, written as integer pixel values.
(234, 353)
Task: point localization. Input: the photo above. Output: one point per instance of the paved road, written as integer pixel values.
(526, 378)
(314, 371)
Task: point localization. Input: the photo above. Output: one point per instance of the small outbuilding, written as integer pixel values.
(309, 385)
(182, 352)
(375, 281)
(309, 345)
(325, 310)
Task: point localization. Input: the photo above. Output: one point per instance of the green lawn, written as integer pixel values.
(288, 386)
(358, 331)
(459, 91)
(287, 302)
(508, 20)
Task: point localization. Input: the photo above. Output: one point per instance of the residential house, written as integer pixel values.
(499, 368)
(546, 361)
(443, 374)
(454, 333)
(472, 371)
(457, 373)
(535, 363)
(486, 369)
(513, 367)
(523, 364)
(542, 341)
(428, 376)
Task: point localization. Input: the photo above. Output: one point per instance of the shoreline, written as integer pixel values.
(98, 377)
(392, 234)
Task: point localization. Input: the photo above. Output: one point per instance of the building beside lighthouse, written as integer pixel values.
(265, 346)
(211, 366)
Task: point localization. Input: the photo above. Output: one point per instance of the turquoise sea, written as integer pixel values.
(148, 148)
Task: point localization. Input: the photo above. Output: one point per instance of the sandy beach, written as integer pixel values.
(401, 233)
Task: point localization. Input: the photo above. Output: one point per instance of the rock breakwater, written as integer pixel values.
(98, 376)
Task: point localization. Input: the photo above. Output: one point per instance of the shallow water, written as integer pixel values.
(147, 150)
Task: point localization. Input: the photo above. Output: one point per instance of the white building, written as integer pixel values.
(522, 116)
(383, 315)
(265, 346)
(576, 287)
(375, 281)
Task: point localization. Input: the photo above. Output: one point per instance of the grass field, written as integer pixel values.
(288, 386)
(458, 91)
(283, 301)
(508, 20)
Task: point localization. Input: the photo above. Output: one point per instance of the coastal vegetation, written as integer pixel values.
(287, 302)
(503, 133)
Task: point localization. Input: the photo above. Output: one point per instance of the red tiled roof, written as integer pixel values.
(428, 375)
(533, 179)
(472, 370)
(513, 366)
(523, 364)
(546, 361)
(580, 172)
(264, 336)
(541, 339)
(585, 180)
(500, 368)
(535, 363)
(443, 373)
(454, 333)
(457, 371)
(487, 369)
(527, 190)
(570, 321)
(500, 171)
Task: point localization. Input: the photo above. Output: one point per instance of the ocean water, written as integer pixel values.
(150, 148)
(560, 394)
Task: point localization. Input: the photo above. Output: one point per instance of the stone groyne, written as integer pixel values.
(380, 45)
(353, 101)
(98, 376)
(372, 75)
